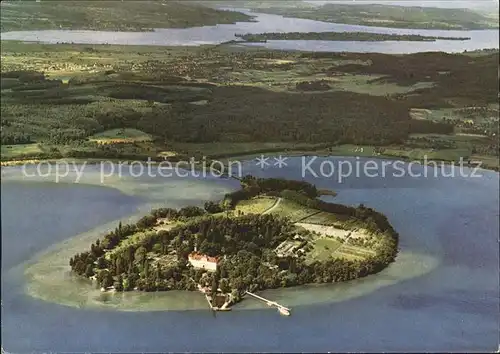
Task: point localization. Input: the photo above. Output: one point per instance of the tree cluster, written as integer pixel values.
(253, 186)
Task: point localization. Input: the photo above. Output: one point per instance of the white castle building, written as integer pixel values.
(202, 261)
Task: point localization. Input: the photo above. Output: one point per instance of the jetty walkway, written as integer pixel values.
(282, 309)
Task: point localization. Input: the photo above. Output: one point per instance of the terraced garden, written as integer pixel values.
(329, 238)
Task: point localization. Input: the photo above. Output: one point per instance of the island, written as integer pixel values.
(271, 233)
(342, 36)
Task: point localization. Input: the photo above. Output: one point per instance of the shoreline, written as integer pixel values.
(368, 259)
(48, 273)
(321, 153)
(341, 36)
(48, 280)
(248, 156)
(62, 289)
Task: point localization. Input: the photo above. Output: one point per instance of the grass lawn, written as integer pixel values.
(292, 210)
(487, 161)
(353, 252)
(347, 255)
(127, 135)
(13, 151)
(286, 80)
(458, 138)
(365, 84)
(323, 249)
(475, 114)
(323, 218)
(220, 149)
(431, 154)
(353, 150)
(255, 206)
(131, 240)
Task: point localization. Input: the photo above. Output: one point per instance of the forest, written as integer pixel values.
(221, 94)
(251, 114)
(244, 244)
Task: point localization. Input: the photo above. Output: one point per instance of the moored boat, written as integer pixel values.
(283, 311)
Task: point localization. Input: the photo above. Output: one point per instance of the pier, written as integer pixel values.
(224, 307)
(282, 309)
(209, 300)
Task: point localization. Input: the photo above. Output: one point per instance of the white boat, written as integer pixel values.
(283, 311)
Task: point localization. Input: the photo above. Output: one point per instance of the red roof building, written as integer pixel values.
(202, 261)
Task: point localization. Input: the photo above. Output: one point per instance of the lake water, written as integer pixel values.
(269, 23)
(441, 294)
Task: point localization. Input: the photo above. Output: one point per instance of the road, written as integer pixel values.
(275, 205)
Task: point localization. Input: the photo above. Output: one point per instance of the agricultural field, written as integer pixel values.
(467, 120)
(123, 135)
(430, 154)
(323, 218)
(293, 210)
(353, 252)
(328, 238)
(14, 151)
(354, 150)
(486, 161)
(323, 248)
(222, 101)
(235, 149)
(288, 81)
(257, 205)
(373, 85)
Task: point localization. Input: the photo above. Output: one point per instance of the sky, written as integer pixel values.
(470, 4)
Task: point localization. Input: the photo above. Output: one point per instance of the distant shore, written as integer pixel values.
(343, 36)
(130, 16)
(251, 155)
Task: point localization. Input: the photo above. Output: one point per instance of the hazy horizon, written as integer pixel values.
(478, 4)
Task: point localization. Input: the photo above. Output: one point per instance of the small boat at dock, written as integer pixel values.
(283, 311)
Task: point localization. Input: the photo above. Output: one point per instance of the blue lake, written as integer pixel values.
(270, 23)
(451, 307)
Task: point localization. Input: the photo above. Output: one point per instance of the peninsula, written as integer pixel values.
(342, 36)
(271, 233)
(379, 15)
(135, 16)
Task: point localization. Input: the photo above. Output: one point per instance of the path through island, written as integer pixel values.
(274, 206)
